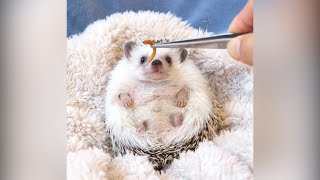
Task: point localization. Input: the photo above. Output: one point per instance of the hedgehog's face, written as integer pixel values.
(161, 68)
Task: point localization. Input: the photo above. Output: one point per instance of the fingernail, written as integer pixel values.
(234, 48)
(232, 27)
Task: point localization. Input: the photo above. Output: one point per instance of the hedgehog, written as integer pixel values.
(160, 108)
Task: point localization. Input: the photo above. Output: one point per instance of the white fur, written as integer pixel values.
(91, 56)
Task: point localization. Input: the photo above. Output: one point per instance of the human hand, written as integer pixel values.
(241, 47)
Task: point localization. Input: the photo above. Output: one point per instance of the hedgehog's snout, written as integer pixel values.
(156, 62)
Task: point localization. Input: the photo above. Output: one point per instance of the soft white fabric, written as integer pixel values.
(91, 56)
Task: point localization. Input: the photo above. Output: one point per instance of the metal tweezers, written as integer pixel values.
(213, 42)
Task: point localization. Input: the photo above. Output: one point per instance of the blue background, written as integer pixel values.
(211, 15)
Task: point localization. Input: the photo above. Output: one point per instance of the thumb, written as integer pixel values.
(241, 48)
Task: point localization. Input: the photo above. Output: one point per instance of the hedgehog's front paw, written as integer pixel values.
(181, 101)
(176, 119)
(182, 98)
(125, 99)
(142, 127)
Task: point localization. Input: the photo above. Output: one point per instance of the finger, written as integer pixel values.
(243, 22)
(241, 48)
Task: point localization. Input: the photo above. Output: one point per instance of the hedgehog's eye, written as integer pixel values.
(168, 59)
(143, 59)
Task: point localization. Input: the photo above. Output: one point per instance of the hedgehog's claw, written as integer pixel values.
(125, 99)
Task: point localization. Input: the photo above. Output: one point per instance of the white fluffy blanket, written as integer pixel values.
(91, 56)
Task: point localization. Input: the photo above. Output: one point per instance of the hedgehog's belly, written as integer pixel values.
(157, 116)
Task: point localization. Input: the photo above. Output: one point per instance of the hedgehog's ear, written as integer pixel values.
(128, 48)
(183, 54)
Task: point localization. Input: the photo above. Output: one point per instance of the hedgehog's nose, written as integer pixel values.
(156, 62)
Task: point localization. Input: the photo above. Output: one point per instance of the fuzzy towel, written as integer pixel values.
(91, 56)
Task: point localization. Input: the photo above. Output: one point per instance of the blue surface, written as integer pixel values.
(211, 15)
